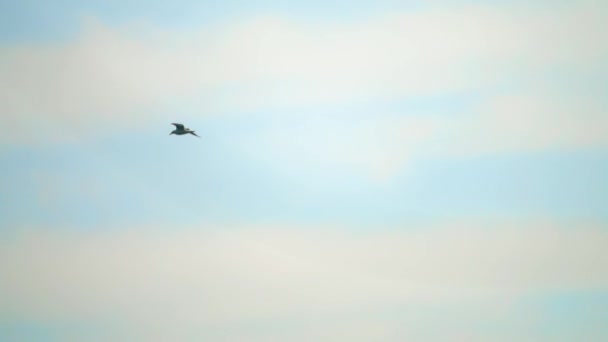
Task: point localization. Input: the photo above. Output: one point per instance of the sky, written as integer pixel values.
(367, 170)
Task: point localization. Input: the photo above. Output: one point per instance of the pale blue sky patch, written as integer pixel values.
(564, 316)
(33, 20)
(159, 183)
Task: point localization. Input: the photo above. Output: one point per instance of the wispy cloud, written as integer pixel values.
(198, 283)
(532, 121)
(126, 74)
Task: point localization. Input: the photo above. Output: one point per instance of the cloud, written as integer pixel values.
(222, 283)
(530, 122)
(129, 75)
(528, 67)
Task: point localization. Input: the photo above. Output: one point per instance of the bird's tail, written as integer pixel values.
(193, 133)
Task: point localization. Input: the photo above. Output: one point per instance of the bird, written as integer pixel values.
(181, 130)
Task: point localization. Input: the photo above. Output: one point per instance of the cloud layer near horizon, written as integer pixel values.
(214, 283)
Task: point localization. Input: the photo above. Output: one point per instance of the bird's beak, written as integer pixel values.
(170, 133)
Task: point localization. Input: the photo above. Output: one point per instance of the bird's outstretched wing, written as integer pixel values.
(178, 126)
(192, 132)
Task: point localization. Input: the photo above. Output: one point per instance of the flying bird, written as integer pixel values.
(181, 130)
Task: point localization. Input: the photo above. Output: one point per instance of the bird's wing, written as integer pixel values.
(192, 132)
(178, 126)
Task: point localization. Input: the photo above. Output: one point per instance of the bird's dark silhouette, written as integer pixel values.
(181, 130)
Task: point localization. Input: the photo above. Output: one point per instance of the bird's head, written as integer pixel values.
(172, 132)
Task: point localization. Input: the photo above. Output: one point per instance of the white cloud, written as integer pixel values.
(309, 282)
(530, 122)
(120, 78)
(128, 76)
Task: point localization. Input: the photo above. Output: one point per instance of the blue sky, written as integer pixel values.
(36, 20)
(356, 160)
